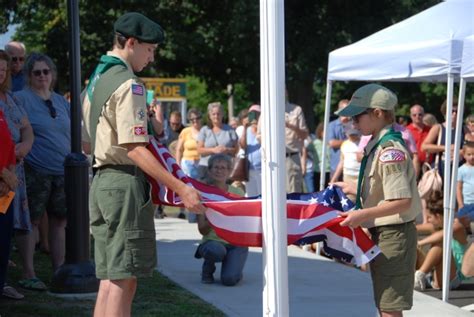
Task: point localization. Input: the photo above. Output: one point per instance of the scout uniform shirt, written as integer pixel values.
(389, 175)
(123, 120)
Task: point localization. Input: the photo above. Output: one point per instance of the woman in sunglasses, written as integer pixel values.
(49, 115)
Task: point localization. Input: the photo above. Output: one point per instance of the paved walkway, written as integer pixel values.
(317, 286)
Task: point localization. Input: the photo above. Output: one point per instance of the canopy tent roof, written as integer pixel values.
(424, 47)
(467, 69)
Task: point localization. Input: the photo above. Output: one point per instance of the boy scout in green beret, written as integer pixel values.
(115, 131)
(387, 200)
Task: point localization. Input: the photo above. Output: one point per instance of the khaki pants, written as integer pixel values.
(294, 175)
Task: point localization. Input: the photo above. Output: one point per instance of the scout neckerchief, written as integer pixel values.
(105, 63)
(389, 136)
(108, 76)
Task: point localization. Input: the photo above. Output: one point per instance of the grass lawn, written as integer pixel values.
(157, 296)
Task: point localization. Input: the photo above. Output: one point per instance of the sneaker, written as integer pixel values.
(420, 281)
(207, 278)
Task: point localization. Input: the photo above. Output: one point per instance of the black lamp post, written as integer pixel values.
(77, 274)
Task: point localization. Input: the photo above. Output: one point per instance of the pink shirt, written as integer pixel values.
(406, 135)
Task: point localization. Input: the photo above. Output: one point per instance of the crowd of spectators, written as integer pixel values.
(38, 121)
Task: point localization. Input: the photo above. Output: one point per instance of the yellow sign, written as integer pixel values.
(167, 88)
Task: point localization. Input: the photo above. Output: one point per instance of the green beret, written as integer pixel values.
(133, 24)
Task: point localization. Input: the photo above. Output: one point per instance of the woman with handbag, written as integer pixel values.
(248, 141)
(216, 138)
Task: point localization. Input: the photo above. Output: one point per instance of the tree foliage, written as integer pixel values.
(217, 43)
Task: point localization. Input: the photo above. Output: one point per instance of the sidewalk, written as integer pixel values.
(317, 286)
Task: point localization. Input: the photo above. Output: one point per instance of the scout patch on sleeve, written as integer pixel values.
(137, 89)
(392, 156)
(141, 114)
(140, 130)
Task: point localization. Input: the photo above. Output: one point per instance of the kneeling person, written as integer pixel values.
(212, 248)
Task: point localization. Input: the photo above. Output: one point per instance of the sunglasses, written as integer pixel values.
(16, 59)
(194, 119)
(52, 110)
(38, 72)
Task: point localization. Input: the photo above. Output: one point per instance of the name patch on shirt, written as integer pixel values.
(140, 130)
(137, 89)
(391, 156)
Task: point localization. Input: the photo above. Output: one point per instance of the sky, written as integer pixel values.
(5, 38)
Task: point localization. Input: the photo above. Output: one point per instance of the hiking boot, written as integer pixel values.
(420, 281)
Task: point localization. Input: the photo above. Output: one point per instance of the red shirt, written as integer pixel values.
(7, 147)
(419, 136)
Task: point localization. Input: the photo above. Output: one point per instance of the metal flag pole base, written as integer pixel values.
(76, 278)
(77, 274)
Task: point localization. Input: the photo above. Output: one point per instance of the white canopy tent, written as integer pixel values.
(467, 75)
(425, 47)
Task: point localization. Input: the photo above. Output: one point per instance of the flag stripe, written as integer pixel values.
(311, 217)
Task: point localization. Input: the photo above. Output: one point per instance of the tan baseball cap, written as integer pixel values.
(369, 96)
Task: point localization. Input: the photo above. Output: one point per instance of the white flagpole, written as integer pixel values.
(272, 78)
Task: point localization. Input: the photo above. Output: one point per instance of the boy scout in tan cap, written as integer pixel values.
(115, 130)
(387, 200)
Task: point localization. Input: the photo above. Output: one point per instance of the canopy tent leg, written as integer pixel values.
(448, 235)
(327, 112)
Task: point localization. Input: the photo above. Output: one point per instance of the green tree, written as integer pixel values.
(218, 42)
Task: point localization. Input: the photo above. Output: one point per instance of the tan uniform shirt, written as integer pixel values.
(389, 175)
(123, 120)
(294, 116)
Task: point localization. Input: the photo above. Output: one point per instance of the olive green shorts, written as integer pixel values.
(393, 269)
(122, 224)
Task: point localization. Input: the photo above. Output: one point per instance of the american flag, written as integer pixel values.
(137, 89)
(238, 220)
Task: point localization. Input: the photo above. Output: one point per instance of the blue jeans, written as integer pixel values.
(190, 168)
(233, 260)
(308, 181)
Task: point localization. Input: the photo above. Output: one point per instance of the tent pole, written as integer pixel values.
(446, 192)
(272, 80)
(327, 112)
(452, 197)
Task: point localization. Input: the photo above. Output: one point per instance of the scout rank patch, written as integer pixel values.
(139, 130)
(137, 89)
(141, 114)
(392, 156)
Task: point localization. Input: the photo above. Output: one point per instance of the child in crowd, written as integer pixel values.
(387, 201)
(465, 186)
(469, 131)
(212, 248)
(432, 261)
(349, 165)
